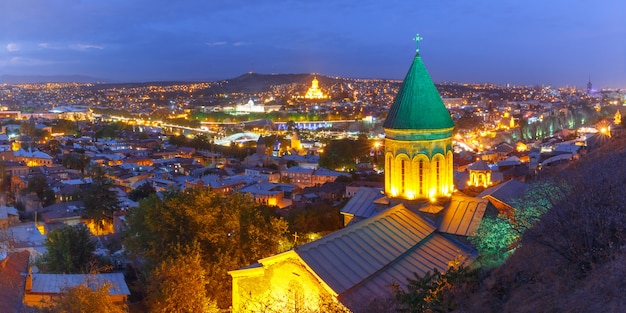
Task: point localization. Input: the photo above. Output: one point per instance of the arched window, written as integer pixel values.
(402, 171)
(420, 174)
(438, 176)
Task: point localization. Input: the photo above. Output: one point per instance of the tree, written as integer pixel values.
(141, 192)
(65, 126)
(345, 153)
(83, 298)
(69, 250)
(76, 161)
(494, 239)
(38, 185)
(178, 285)
(230, 232)
(101, 201)
(436, 291)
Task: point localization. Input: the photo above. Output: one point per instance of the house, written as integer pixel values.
(62, 214)
(41, 289)
(267, 193)
(348, 265)
(501, 196)
(33, 158)
(13, 271)
(8, 216)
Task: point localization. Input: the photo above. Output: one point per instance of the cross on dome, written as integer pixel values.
(417, 42)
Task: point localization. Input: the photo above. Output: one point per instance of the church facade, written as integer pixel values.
(389, 238)
(418, 142)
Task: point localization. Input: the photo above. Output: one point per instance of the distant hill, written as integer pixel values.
(254, 82)
(37, 79)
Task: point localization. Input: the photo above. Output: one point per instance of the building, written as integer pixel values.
(418, 141)
(42, 289)
(389, 236)
(314, 92)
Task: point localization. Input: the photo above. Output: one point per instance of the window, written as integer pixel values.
(438, 185)
(420, 174)
(402, 176)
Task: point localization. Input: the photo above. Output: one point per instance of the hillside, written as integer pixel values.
(254, 82)
(574, 259)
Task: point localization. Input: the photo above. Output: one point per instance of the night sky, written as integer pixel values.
(528, 42)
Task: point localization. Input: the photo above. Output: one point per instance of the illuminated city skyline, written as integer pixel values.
(526, 43)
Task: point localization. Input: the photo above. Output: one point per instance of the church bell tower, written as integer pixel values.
(418, 139)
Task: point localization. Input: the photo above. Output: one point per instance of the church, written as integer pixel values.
(389, 234)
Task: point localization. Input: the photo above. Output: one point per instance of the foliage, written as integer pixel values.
(110, 130)
(141, 192)
(28, 128)
(69, 249)
(5, 177)
(76, 161)
(572, 258)
(229, 232)
(497, 237)
(345, 153)
(101, 200)
(83, 298)
(320, 218)
(64, 126)
(38, 185)
(178, 285)
(493, 240)
(435, 292)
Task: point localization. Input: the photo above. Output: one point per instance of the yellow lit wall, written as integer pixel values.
(418, 169)
(282, 284)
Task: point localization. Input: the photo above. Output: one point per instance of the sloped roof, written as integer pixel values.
(506, 191)
(463, 215)
(12, 281)
(418, 105)
(435, 252)
(479, 165)
(346, 257)
(361, 204)
(54, 283)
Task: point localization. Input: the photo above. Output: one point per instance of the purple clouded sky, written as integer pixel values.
(558, 42)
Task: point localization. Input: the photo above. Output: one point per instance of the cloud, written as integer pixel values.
(216, 43)
(77, 47)
(85, 47)
(13, 47)
(240, 43)
(21, 61)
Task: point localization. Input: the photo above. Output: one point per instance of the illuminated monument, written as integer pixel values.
(314, 92)
(418, 142)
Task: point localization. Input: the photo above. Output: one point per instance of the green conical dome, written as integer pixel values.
(418, 104)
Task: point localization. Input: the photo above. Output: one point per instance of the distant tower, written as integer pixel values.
(295, 142)
(589, 85)
(276, 148)
(418, 142)
(260, 146)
